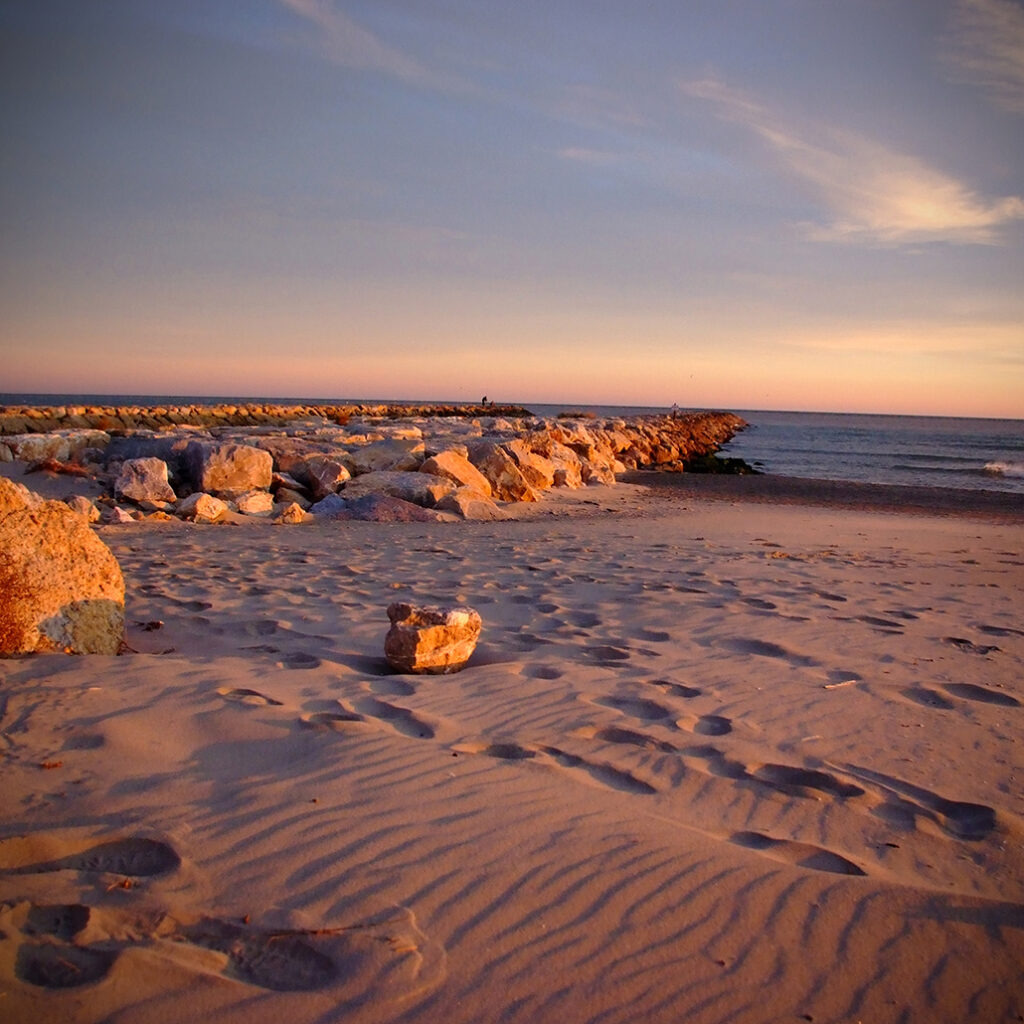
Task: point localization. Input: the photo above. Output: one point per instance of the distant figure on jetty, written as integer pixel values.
(675, 411)
(483, 401)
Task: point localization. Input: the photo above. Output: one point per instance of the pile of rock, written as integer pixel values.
(370, 467)
(23, 419)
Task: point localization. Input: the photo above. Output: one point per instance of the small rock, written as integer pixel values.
(116, 516)
(290, 515)
(84, 507)
(144, 480)
(428, 639)
(202, 508)
(255, 503)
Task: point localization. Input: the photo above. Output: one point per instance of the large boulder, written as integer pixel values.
(468, 503)
(428, 639)
(144, 480)
(418, 488)
(538, 471)
(62, 588)
(202, 508)
(397, 455)
(454, 466)
(228, 470)
(326, 473)
(506, 480)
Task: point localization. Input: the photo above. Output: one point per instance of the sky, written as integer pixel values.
(738, 204)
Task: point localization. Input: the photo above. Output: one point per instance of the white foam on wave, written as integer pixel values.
(1005, 468)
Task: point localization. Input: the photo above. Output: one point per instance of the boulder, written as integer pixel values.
(144, 480)
(331, 507)
(383, 508)
(202, 508)
(429, 639)
(62, 588)
(114, 515)
(84, 507)
(538, 471)
(326, 473)
(37, 447)
(287, 496)
(290, 515)
(16, 497)
(397, 455)
(468, 503)
(255, 503)
(506, 480)
(227, 470)
(454, 466)
(418, 488)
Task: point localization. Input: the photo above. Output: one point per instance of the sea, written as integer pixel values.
(929, 451)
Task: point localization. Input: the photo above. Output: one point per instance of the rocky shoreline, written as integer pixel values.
(298, 464)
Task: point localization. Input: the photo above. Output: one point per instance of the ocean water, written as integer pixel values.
(974, 454)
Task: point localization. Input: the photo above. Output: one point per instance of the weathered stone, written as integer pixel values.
(396, 455)
(227, 470)
(538, 471)
(326, 474)
(431, 640)
(255, 503)
(454, 466)
(331, 507)
(286, 496)
(468, 503)
(418, 488)
(62, 588)
(383, 508)
(6, 455)
(506, 480)
(15, 497)
(37, 447)
(84, 507)
(202, 508)
(114, 515)
(291, 514)
(144, 480)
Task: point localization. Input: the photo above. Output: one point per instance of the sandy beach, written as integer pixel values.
(720, 756)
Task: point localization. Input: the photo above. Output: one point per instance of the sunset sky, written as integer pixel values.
(747, 204)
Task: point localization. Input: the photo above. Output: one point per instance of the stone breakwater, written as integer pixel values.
(376, 465)
(25, 419)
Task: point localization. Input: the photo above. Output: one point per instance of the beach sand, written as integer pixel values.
(720, 755)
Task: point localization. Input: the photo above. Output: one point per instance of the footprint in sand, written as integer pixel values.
(927, 698)
(501, 751)
(251, 697)
(767, 649)
(136, 858)
(675, 689)
(390, 687)
(636, 707)
(804, 855)
(299, 659)
(542, 672)
(981, 694)
(64, 966)
(343, 721)
(705, 725)
(968, 646)
(400, 719)
(630, 738)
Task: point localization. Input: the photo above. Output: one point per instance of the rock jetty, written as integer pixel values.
(390, 463)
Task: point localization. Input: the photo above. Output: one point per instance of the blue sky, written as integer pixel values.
(805, 204)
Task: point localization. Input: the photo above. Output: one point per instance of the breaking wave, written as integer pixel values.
(1005, 468)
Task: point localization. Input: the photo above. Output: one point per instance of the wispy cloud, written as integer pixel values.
(986, 47)
(345, 42)
(875, 194)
